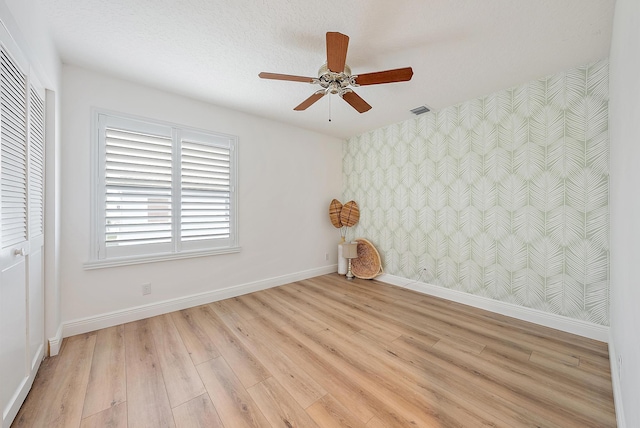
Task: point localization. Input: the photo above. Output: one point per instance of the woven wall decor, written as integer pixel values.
(350, 214)
(335, 207)
(368, 264)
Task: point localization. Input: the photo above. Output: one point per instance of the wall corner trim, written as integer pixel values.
(617, 388)
(558, 322)
(97, 322)
(55, 342)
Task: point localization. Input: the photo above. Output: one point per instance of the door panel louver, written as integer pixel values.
(13, 107)
(36, 165)
(206, 192)
(138, 188)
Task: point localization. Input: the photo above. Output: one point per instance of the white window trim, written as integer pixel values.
(97, 203)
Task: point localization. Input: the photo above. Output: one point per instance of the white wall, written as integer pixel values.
(287, 177)
(625, 209)
(27, 25)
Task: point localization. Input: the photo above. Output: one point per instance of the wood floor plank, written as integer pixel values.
(436, 403)
(379, 310)
(180, 375)
(278, 406)
(551, 389)
(493, 325)
(376, 384)
(268, 303)
(70, 382)
(463, 383)
(570, 373)
(344, 389)
(331, 345)
(306, 304)
(104, 392)
(465, 346)
(351, 313)
(574, 343)
(432, 326)
(147, 400)
(237, 305)
(32, 412)
(246, 366)
(376, 423)
(198, 412)
(328, 412)
(473, 386)
(235, 406)
(300, 385)
(507, 393)
(113, 417)
(198, 343)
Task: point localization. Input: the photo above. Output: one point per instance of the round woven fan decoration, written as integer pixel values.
(368, 264)
(350, 214)
(335, 207)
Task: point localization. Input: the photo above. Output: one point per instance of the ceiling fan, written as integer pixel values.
(335, 76)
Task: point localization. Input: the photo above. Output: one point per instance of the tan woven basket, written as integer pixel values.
(350, 214)
(335, 207)
(368, 264)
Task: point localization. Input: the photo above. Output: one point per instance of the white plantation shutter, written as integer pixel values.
(161, 190)
(13, 85)
(205, 177)
(36, 164)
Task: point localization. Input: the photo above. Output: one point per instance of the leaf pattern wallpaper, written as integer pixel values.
(504, 196)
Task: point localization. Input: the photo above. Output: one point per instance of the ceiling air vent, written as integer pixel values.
(420, 110)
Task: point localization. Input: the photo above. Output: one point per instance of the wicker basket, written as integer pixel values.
(335, 207)
(368, 264)
(350, 214)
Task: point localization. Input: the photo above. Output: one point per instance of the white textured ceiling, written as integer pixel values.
(213, 50)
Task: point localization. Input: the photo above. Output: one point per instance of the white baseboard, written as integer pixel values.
(559, 322)
(85, 325)
(55, 342)
(615, 379)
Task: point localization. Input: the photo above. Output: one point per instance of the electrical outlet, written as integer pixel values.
(146, 288)
(326, 256)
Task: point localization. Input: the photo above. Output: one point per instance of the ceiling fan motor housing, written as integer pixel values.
(335, 83)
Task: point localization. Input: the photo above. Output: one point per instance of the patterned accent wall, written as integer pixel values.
(504, 196)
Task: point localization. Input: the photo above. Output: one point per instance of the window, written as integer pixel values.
(161, 191)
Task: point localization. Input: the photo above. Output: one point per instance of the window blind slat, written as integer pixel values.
(205, 177)
(138, 174)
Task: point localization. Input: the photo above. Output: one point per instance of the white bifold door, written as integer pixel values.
(22, 232)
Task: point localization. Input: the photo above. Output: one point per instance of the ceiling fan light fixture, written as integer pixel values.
(333, 82)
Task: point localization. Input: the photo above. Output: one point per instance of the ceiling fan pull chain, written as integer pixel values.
(329, 109)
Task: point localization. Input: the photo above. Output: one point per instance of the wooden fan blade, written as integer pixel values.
(356, 102)
(388, 76)
(276, 76)
(337, 45)
(309, 101)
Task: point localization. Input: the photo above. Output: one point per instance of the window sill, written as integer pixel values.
(136, 260)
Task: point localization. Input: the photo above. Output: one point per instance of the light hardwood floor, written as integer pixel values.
(324, 352)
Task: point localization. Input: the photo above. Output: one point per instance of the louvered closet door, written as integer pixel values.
(21, 235)
(36, 227)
